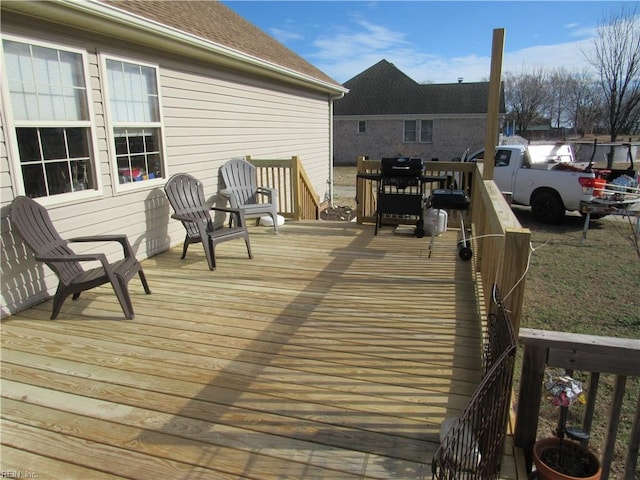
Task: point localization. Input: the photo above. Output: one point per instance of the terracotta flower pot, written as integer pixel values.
(546, 453)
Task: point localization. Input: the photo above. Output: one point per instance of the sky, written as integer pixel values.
(433, 41)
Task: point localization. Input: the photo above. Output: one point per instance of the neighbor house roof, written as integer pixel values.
(384, 90)
(205, 30)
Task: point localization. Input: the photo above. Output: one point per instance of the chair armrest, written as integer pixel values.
(230, 195)
(188, 217)
(85, 257)
(237, 212)
(121, 239)
(99, 238)
(269, 192)
(227, 209)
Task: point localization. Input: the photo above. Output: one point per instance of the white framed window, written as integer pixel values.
(426, 131)
(135, 121)
(410, 131)
(50, 119)
(418, 131)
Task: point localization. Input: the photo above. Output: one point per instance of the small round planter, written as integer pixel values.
(574, 454)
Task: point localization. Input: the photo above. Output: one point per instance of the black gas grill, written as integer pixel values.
(401, 190)
(401, 172)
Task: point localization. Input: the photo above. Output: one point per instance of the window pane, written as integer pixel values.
(28, 145)
(58, 177)
(426, 130)
(53, 144)
(136, 144)
(71, 70)
(77, 142)
(410, 131)
(121, 145)
(150, 143)
(155, 166)
(502, 158)
(81, 175)
(33, 177)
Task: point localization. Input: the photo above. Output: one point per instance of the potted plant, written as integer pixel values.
(558, 458)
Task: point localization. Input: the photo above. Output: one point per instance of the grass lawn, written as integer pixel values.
(591, 288)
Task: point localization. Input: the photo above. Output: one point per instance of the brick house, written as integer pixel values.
(386, 113)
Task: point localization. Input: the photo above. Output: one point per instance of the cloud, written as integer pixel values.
(365, 37)
(567, 55)
(285, 36)
(347, 51)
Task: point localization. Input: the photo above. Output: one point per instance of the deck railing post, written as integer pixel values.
(360, 190)
(296, 189)
(529, 398)
(514, 263)
(634, 445)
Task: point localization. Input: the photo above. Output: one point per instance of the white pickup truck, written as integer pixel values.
(545, 177)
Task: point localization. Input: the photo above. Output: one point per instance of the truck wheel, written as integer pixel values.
(547, 207)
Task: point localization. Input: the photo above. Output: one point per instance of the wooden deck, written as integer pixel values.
(333, 354)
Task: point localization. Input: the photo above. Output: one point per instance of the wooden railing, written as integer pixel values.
(578, 353)
(297, 198)
(501, 245)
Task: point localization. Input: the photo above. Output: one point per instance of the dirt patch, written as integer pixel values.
(343, 214)
(344, 203)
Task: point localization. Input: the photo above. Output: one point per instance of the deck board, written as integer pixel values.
(333, 354)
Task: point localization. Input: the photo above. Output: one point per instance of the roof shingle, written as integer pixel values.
(213, 21)
(384, 90)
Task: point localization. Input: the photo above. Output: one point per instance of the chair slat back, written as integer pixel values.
(186, 196)
(241, 177)
(31, 220)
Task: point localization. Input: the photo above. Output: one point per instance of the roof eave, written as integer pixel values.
(99, 17)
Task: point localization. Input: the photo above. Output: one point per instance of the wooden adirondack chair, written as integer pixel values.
(186, 196)
(241, 181)
(31, 220)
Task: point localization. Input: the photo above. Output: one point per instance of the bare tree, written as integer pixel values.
(559, 81)
(616, 58)
(584, 104)
(525, 97)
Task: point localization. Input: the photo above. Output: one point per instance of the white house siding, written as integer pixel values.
(384, 137)
(210, 115)
(213, 116)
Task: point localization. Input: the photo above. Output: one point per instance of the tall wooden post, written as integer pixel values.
(493, 107)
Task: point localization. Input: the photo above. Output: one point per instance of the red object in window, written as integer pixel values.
(132, 173)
